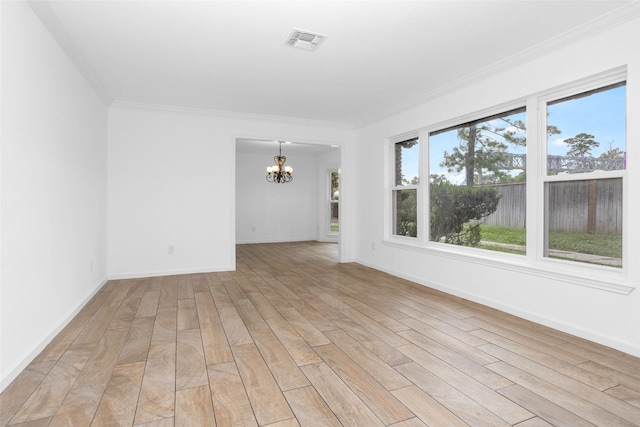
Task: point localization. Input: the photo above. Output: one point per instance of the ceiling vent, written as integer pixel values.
(305, 40)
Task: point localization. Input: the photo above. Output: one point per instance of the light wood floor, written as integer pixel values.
(293, 338)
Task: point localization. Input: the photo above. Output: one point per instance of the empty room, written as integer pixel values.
(320, 213)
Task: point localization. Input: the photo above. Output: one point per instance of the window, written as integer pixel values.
(477, 183)
(586, 158)
(406, 180)
(334, 223)
(540, 186)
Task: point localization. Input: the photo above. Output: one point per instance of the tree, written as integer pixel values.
(581, 145)
(483, 149)
(483, 154)
(407, 210)
(335, 195)
(456, 211)
(479, 153)
(400, 179)
(612, 153)
(508, 179)
(407, 224)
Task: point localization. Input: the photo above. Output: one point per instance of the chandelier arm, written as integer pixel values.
(280, 176)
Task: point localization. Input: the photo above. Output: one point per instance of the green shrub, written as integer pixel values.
(456, 210)
(407, 224)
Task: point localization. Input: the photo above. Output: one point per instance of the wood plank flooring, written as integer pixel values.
(293, 338)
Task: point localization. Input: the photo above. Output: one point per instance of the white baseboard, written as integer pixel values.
(20, 365)
(260, 241)
(328, 240)
(572, 329)
(141, 274)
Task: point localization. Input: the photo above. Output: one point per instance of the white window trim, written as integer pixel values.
(595, 82)
(519, 264)
(391, 187)
(612, 279)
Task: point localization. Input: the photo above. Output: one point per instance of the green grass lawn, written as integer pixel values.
(609, 245)
(513, 236)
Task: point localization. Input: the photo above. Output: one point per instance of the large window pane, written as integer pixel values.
(584, 221)
(586, 132)
(477, 189)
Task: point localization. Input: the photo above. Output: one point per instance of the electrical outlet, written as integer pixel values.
(373, 245)
(253, 229)
(91, 266)
(171, 250)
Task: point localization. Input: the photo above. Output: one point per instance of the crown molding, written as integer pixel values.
(616, 17)
(228, 114)
(622, 14)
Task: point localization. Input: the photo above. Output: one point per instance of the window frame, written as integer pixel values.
(577, 88)
(390, 229)
(606, 278)
(479, 117)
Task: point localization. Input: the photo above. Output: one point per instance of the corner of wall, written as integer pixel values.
(14, 370)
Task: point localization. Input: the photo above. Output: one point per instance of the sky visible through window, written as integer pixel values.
(601, 114)
(447, 141)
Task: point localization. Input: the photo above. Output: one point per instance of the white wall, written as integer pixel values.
(606, 317)
(297, 211)
(54, 148)
(172, 182)
(168, 185)
(268, 212)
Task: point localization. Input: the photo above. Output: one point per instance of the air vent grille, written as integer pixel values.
(305, 40)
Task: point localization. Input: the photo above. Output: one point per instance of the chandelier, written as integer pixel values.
(279, 173)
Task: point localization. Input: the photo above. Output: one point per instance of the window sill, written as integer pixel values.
(520, 264)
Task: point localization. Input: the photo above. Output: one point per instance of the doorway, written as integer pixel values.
(268, 212)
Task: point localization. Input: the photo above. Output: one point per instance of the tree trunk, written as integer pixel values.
(471, 156)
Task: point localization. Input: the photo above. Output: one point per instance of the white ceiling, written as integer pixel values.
(379, 57)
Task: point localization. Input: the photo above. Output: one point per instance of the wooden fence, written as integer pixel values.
(593, 206)
(511, 208)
